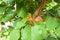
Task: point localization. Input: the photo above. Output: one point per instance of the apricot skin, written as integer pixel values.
(38, 18)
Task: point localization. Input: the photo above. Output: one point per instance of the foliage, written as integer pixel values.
(14, 13)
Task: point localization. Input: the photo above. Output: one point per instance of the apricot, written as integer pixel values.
(38, 18)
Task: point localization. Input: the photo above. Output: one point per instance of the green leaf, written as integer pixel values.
(22, 13)
(4, 30)
(51, 22)
(58, 30)
(1, 17)
(14, 34)
(3, 38)
(2, 3)
(26, 33)
(38, 32)
(50, 38)
(20, 23)
(50, 5)
(57, 1)
(2, 9)
(8, 15)
(58, 13)
(8, 1)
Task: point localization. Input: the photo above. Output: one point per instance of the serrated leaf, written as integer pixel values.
(14, 34)
(38, 32)
(51, 22)
(20, 23)
(26, 33)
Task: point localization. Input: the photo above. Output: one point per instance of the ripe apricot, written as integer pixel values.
(38, 18)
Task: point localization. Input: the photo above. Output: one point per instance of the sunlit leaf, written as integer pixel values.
(51, 22)
(38, 32)
(8, 1)
(51, 5)
(2, 3)
(2, 10)
(22, 12)
(20, 23)
(26, 33)
(14, 34)
(58, 30)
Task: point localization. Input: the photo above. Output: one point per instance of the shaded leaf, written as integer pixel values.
(57, 1)
(9, 15)
(50, 38)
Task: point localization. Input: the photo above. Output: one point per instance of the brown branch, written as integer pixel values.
(40, 8)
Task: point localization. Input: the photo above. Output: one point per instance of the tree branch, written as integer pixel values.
(39, 9)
